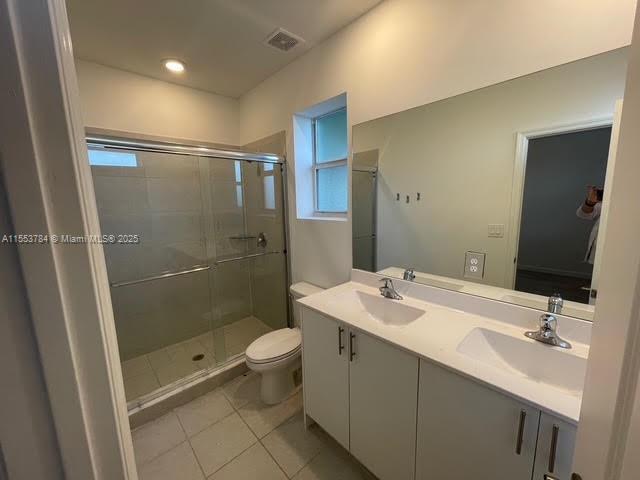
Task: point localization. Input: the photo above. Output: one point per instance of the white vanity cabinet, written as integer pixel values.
(554, 454)
(326, 374)
(466, 430)
(363, 392)
(383, 398)
(405, 418)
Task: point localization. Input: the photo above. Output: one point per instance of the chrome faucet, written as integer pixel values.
(387, 290)
(409, 274)
(549, 323)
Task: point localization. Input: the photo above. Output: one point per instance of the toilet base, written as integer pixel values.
(278, 383)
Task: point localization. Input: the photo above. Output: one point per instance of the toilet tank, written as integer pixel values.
(300, 290)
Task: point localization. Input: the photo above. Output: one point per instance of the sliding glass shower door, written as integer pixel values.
(249, 277)
(201, 270)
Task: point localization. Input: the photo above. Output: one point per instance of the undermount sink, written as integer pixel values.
(387, 311)
(557, 368)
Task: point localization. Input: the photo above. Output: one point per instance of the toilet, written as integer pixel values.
(278, 354)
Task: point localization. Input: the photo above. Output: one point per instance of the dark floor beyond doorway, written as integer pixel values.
(570, 288)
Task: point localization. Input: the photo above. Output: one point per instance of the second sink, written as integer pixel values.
(560, 369)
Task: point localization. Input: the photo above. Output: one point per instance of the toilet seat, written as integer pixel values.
(274, 346)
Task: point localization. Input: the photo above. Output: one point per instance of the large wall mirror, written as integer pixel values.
(500, 192)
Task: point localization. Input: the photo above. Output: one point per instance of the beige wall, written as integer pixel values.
(406, 53)
(401, 54)
(113, 99)
(459, 153)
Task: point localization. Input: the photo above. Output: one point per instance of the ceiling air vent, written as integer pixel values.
(283, 40)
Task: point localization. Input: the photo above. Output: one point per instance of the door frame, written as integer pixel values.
(519, 171)
(50, 192)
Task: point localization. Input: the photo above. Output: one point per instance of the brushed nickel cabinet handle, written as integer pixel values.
(520, 439)
(340, 345)
(352, 352)
(554, 447)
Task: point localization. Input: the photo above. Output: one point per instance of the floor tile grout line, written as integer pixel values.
(186, 438)
(208, 426)
(232, 459)
(204, 475)
(268, 433)
(272, 457)
(235, 410)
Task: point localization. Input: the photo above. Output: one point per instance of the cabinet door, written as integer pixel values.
(466, 430)
(554, 454)
(384, 389)
(326, 374)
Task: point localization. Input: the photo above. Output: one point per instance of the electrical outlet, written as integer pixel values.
(496, 230)
(474, 265)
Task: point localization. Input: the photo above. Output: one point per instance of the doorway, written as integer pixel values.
(557, 238)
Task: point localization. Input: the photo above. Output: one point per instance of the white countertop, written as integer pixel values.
(436, 335)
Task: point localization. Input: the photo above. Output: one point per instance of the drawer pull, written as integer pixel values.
(519, 440)
(340, 345)
(352, 352)
(554, 447)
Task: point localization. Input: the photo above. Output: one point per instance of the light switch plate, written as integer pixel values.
(496, 230)
(474, 265)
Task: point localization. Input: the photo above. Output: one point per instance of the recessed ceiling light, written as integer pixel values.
(175, 66)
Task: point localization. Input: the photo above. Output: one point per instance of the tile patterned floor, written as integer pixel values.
(146, 373)
(229, 434)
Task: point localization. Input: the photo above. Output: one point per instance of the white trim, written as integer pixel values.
(608, 427)
(50, 190)
(519, 169)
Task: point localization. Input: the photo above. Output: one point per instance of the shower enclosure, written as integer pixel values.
(196, 259)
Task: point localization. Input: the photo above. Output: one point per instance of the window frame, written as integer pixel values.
(315, 166)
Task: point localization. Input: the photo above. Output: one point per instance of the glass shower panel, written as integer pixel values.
(160, 286)
(250, 267)
(265, 220)
(208, 275)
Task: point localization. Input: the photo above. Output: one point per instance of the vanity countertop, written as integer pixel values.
(441, 335)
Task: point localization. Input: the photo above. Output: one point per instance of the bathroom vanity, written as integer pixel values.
(441, 384)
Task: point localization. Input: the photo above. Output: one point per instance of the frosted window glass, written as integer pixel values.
(106, 158)
(332, 189)
(331, 137)
(268, 167)
(269, 192)
(238, 170)
(239, 195)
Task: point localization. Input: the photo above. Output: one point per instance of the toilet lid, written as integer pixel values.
(274, 345)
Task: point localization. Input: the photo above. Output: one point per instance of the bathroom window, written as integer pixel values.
(238, 174)
(108, 158)
(268, 187)
(330, 162)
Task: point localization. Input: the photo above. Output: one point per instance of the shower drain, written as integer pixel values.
(198, 357)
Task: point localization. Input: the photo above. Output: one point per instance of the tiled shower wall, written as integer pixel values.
(185, 209)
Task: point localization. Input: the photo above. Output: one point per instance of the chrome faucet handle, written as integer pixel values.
(548, 322)
(387, 289)
(555, 303)
(409, 274)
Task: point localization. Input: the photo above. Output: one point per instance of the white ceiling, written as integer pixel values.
(220, 41)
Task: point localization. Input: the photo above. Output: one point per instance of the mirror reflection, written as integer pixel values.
(499, 192)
